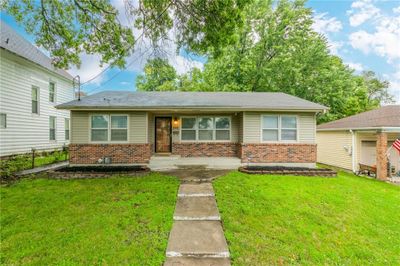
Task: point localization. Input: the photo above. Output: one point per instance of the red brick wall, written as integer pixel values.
(206, 149)
(119, 153)
(381, 159)
(278, 153)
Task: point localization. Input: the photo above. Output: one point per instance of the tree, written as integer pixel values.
(158, 75)
(67, 28)
(377, 89)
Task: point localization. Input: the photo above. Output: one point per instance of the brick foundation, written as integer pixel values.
(206, 149)
(278, 153)
(119, 153)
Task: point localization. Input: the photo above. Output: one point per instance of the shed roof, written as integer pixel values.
(386, 116)
(192, 100)
(15, 43)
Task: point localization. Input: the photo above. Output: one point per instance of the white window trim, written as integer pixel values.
(38, 100)
(65, 128)
(55, 92)
(279, 128)
(55, 129)
(214, 129)
(109, 141)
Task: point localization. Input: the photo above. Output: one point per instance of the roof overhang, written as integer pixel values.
(380, 129)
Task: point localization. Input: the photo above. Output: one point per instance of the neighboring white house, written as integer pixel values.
(30, 88)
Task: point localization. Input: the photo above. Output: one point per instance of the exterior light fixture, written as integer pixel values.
(176, 122)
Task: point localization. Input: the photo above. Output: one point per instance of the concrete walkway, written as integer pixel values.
(197, 237)
(39, 169)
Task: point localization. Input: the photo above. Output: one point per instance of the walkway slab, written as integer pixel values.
(197, 238)
(196, 208)
(188, 261)
(195, 190)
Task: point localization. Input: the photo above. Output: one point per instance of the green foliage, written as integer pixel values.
(278, 51)
(299, 220)
(22, 162)
(68, 28)
(158, 76)
(111, 221)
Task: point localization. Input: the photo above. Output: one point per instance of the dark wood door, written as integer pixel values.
(163, 134)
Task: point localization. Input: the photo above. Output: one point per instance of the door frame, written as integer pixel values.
(155, 132)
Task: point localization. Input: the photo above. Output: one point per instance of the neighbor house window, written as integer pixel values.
(279, 128)
(66, 127)
(109, 128)
(206, 128)
(52, 126)
(35, 100)
(188, 128)
(52, 92)
(99, 128)
(119, 128)
(3, 120)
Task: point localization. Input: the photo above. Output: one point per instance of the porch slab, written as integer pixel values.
(188, 261)
(165, 163)
(195, 190)
(196, 208)
(197, 238)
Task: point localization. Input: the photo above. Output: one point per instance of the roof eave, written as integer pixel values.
(383, 129)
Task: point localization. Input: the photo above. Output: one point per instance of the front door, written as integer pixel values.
(163, 134)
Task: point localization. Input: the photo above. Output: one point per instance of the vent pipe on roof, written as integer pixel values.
(76, 82)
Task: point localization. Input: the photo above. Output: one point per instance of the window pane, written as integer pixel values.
(51, 92)
(119, 134)
(188, 135)
(100, 121)
(222, 135)
(288, 122)
(3, 120)
(189, 122)
(205, 134)
(34, 94)
(270, 121)
(119, 122)
(66, 122)
(52, 134)
(270, 135)
(34, 107)
(288, 134)
(52, 122)
(222, 122)
(205, 123)
(99, 134)
(66, 134)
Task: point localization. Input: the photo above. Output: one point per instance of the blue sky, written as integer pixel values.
(364, 33)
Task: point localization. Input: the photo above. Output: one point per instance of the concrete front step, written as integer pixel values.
(196, 208)
(195, 190)
(197, 239)
(188, 261)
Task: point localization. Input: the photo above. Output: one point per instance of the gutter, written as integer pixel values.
(384, 129)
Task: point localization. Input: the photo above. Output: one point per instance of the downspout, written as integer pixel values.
(353, 152)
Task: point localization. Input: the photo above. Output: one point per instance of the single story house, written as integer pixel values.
(364, 138)
(121, 127)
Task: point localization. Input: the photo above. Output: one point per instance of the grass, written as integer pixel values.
(113, 221)
(23, 162)
(281, 220)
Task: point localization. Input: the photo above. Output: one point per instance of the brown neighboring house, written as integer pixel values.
(364, 138)
(220, 129)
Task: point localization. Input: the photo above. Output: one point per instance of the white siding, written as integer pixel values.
(26, 130)
(333, 148)
(252, 126)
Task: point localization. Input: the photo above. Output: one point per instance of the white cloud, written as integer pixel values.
(396, 10)
(324, 24)
(394, 87)
(356, 66)
(89, 69)
(384, 41)
(125, 83)
(361, 11)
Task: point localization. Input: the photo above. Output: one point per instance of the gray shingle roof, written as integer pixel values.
(386, 116)
(15, 43)
(192, 100)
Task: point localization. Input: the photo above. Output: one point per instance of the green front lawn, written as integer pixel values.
(347, 220)
(114, 221)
